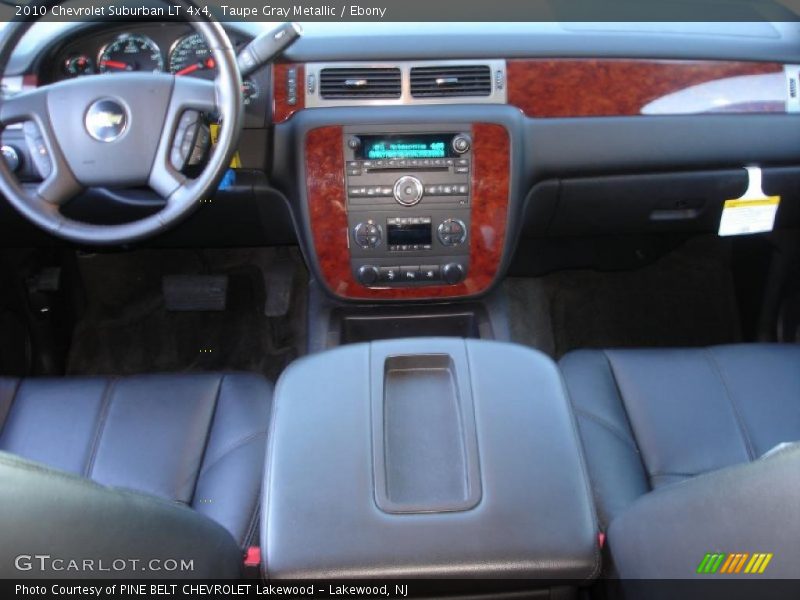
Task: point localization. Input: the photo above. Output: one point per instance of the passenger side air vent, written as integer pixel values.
(451, 80)
(345, 83)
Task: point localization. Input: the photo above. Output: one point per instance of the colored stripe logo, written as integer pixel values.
(730, 564)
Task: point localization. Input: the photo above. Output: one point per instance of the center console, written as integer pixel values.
(434, 457)
(408, 204)
(408, 211)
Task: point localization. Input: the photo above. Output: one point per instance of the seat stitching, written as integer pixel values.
(14, 392)
(210, 428)
(251, 529)
(607, 425)
(621, 397)
(235, 446)
(737, 415)
(101, 424)
(670, 474)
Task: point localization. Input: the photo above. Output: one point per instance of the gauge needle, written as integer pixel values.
(114, 64)
(206, 64)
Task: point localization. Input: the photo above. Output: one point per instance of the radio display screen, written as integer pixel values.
(401, 146)
(402, 235)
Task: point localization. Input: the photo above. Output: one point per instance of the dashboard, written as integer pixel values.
(410, 163)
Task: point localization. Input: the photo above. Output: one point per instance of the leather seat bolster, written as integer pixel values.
(38, 501)
(615, 468)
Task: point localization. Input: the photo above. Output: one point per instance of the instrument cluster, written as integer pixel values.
(171, 48)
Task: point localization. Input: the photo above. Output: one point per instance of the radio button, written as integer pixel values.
(353, 172)
(462, 169)
(463, 189)
(389, 274)
(462, 162)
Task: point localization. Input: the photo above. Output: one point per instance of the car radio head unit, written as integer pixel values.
(408, 203)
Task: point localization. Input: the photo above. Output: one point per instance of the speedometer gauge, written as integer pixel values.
(191, 56)
(131, 52)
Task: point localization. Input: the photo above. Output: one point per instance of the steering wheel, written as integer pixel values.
(121, 130)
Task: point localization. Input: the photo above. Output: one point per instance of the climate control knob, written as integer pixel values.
(368, 235)
(452, 232)
(453, 273)
(368, 274)
(408, 190)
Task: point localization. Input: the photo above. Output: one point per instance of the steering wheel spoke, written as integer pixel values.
(59, 183)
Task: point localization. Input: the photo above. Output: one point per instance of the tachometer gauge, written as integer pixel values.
(131, 52)
(191, 56)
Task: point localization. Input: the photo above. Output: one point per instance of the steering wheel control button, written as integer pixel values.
(408, 190)
(106, 120)
(185, 145)
(368, 274)
(452, 232)
(368, 235)
(11, 156)
(453, 273)
(38, 149)
(461, 143)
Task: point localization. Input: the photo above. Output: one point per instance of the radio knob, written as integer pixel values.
(452, 232)
(408, 190)
(354, 143)
(461, 143)
(453, 273)
(368, 235)
(368, 274)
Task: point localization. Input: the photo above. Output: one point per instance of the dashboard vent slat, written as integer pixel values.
(449, 81)
(372, 82)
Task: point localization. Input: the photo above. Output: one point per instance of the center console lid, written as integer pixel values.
(426, 457)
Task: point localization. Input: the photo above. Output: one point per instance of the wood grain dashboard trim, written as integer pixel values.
(549, 88)
(281, 109)
(327, 210)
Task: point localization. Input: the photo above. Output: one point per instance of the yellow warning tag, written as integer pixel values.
(236, 161)
(754, 212)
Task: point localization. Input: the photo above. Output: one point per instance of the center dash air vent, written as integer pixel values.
(344, 83)
(451, 80)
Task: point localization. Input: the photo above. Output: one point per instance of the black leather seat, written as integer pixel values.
(691, 451)
(196, 439)
(649, 418)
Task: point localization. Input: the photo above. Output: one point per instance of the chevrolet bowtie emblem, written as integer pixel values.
(106, 120)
